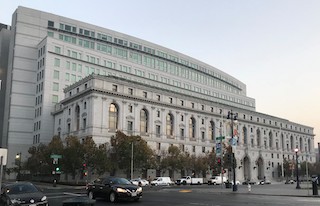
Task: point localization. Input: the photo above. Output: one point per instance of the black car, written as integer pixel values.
(114, 189)
(22, 193)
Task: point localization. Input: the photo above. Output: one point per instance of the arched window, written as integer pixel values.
(192, 128)
(301, 144)
(212, 131)
(270, 140)
(77, 114)
(282, 141)
(258, 138)
(291, 142)
(245, 135)
(143, 121)
(113, 116)
(169, 124)
(309, 145)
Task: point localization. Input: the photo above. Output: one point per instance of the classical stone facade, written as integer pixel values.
(98, 106)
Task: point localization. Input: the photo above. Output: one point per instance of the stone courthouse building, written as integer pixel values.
(66, 77)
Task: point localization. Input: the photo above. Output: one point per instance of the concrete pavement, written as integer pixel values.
(274, 189)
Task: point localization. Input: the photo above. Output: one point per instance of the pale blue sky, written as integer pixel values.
(273, 46)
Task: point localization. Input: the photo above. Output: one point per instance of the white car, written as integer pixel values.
(140, 182)
(237, 182)
(162, 181)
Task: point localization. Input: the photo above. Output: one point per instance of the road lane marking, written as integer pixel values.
(73, 194)
(185, 191)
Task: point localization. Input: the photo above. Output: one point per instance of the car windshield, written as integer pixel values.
(121, 181)
(21, 188)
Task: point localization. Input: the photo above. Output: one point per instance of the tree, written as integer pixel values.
(172, 160)
(122, 152)
(73, 156)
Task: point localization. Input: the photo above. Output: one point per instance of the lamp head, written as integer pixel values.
(296, 150)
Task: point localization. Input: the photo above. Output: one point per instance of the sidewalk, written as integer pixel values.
(275, 190)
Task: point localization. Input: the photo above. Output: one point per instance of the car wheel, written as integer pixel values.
(91, 195)
(137, 199)
(112, 197)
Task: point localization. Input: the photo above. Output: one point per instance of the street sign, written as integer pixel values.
(55, 156)
(220, 138)
(218, 151)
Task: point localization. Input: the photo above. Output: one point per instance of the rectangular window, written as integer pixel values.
(158, 97)
(114, 88)
(203, 150)
(50, 24)
(57, 50)
(74, 67)
(68, 65)
(55, 86)
(84, 123)
(158, 113)
(182, 132)
(79, 67)
(158, 127)
(56, 74)
(55, 99)
(130, 108)
(170, 100)
(73, 78)
(130, 91)
(130, 126)
(145, 94)
(181, 101)
(192, 105)
(57, 62)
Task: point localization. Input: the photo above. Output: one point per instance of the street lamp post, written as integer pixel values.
(132, 160)
(233, 117)
(132, 142)
(297, 169)
(18, 159)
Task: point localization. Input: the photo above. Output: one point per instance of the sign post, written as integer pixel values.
(3, 161)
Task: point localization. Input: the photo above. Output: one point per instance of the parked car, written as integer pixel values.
(189, 180)
(247, 182)
(216, 180)
(162, 181)
(289, 182)
(237, 182)
(114, 189)
(140, 182)
(22, 193)
(264, 182)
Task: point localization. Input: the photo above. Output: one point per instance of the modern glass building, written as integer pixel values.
(66, 77)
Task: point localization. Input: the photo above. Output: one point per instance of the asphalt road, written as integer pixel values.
(193, 196)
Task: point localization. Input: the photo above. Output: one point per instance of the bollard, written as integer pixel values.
(54, 183)
(249, 188)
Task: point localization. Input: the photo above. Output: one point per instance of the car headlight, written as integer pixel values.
(44, 198)
(139, 189)
(121, 190)
(16, 201)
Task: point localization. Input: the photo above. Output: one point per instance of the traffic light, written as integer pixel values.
(57, 169)
(84, 169)
(219, 161)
